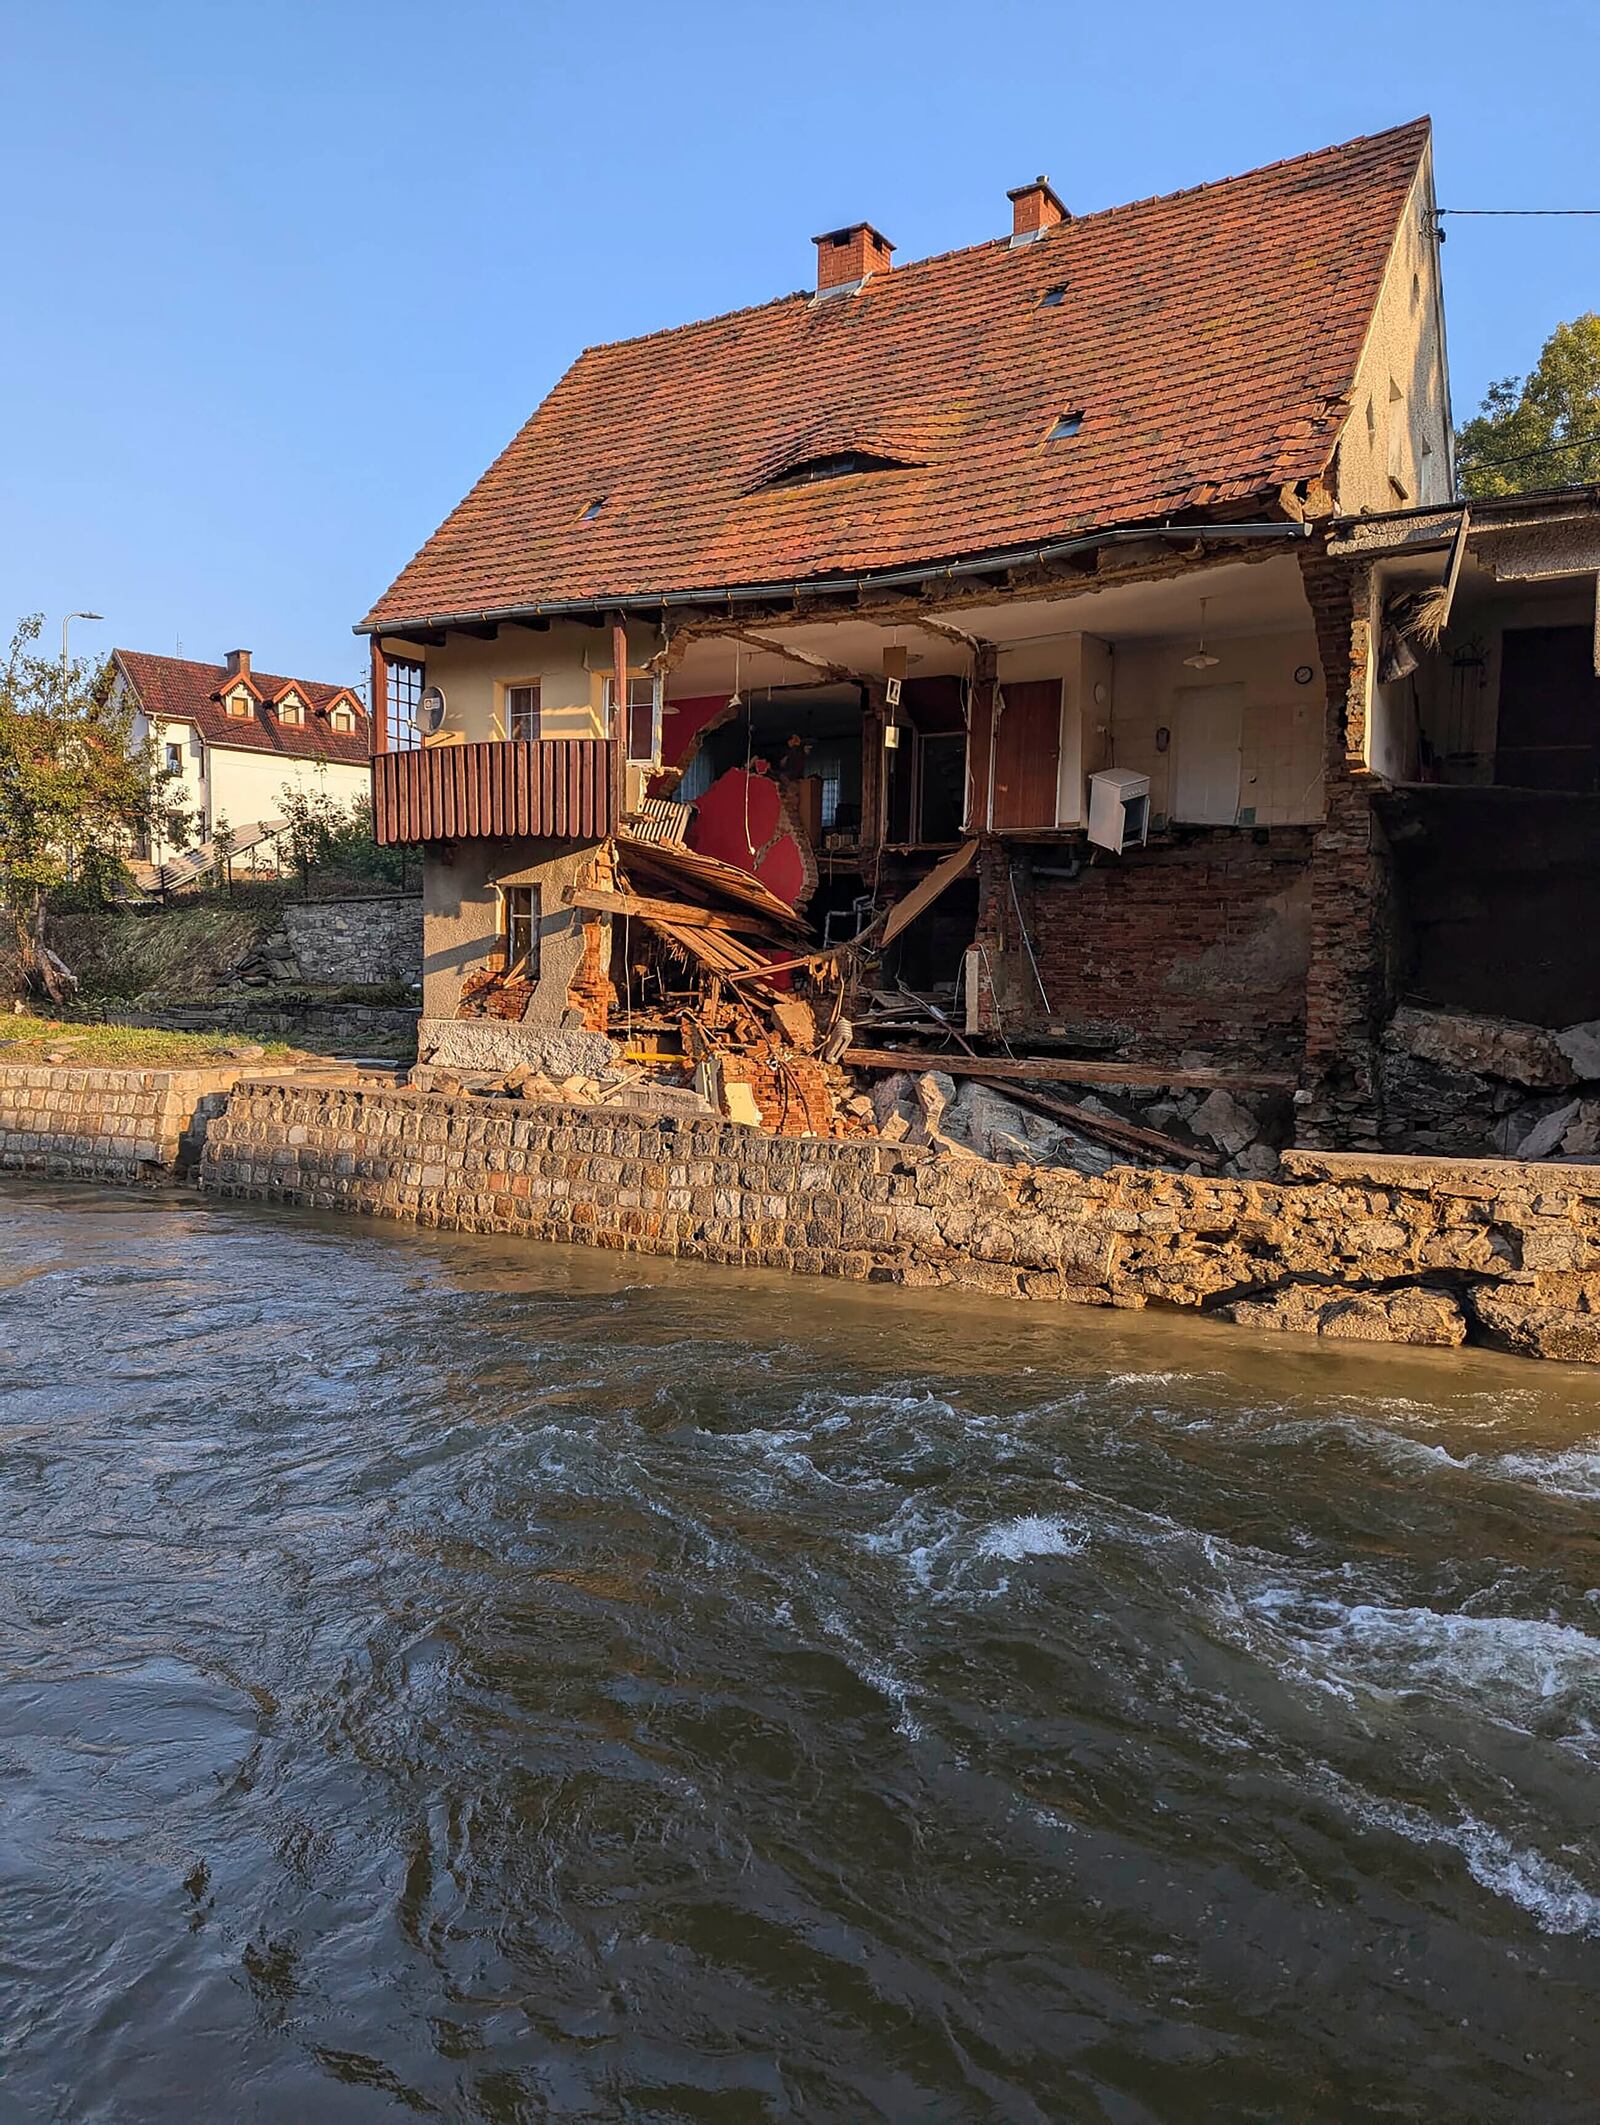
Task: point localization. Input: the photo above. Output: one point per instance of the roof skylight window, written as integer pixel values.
(1067, 424)
(593, 510)
(1053, 298)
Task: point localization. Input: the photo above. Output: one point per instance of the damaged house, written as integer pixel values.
(966, 664)
(1465, 1007)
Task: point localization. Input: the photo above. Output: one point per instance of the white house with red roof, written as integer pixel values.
(234, 738)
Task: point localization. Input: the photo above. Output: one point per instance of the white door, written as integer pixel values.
(1208, 742)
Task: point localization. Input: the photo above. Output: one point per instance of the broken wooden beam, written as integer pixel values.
(1068, 1070)
(925, 892)
(682, 913)
(1109, 1128)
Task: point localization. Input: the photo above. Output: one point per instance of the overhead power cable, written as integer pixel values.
(1524, 213)
(1492, 464)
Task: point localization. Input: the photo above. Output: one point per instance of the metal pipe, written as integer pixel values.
(66, 622)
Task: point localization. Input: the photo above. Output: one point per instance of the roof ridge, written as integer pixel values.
(259, 678)
(1422, 125)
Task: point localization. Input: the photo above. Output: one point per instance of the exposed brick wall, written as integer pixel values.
(1199, 945)
(132, 1127)
(1371, 1249)
(1352, 903)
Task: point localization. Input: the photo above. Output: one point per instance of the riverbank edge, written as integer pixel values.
(1348, 1246)
(1353, 1247)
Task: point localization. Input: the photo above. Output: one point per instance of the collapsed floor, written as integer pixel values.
(713, 997)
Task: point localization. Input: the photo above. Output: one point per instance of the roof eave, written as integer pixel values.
(657, 601)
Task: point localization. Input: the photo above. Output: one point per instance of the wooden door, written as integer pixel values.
(1210, 755)
(1027, 753)
(1549, 730)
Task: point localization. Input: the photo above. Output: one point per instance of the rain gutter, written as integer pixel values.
(830, 586)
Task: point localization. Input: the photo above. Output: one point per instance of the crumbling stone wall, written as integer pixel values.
(131, 1127)
(1366, 1248)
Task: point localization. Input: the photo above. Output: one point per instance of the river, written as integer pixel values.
(460, 1679)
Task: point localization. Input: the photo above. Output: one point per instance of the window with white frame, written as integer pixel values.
(522, 711)
(341, 719)
(644, 717)
(174, 759)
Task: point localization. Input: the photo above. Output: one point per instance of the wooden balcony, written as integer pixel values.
(558, 789)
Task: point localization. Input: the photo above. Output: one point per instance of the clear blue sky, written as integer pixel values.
(284, 275)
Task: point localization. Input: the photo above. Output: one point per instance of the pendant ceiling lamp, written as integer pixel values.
(1202, 659)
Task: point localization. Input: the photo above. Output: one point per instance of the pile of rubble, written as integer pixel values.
(1460, 1084)
(1210, 1132)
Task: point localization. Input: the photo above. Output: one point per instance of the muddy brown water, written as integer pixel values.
(454, 1679)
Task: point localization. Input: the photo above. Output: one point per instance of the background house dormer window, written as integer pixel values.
(341, 719)
(239, 702)
(291, 709)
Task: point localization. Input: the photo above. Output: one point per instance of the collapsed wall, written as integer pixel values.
(1348, 1246)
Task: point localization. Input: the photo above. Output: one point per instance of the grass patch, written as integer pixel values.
(167, 955)
(24, 1038)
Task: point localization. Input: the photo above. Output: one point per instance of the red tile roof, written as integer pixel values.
(1210, 339)
(184, 692)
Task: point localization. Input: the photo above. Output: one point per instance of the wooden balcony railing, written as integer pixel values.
(558, 789)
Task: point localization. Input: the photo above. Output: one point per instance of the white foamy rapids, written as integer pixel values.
(1552, 1896)
(947, 1555)
(1032, 1535)
(1570, 1472)
(1514, 1669)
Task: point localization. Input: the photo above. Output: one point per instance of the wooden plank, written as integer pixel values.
(1067, 1070)
(926, 891)
(1111, 1128)
(679, 912)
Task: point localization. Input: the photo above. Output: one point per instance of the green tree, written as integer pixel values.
(75, 791)
(223, 842)
(314, 819)
(1542, 431)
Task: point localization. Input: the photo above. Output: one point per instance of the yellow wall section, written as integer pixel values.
(1401, 378)
(570, 662)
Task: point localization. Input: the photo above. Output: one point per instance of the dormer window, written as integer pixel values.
(837, 465)
(240, 703)
(341, 718)
(291, 709)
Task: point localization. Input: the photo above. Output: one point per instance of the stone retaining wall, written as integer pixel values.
(1353, 1246)
(130, 1127)
(365, 938)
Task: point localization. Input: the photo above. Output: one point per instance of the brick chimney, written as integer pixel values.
(1034, 208)
(845, 257)
(238, 663)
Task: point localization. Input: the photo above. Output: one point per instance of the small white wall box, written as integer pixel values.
(1119, 809)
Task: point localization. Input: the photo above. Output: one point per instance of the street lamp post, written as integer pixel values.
(65, 624)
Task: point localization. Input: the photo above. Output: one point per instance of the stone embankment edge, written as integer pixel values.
(1356, 1247)
(131, 1128)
